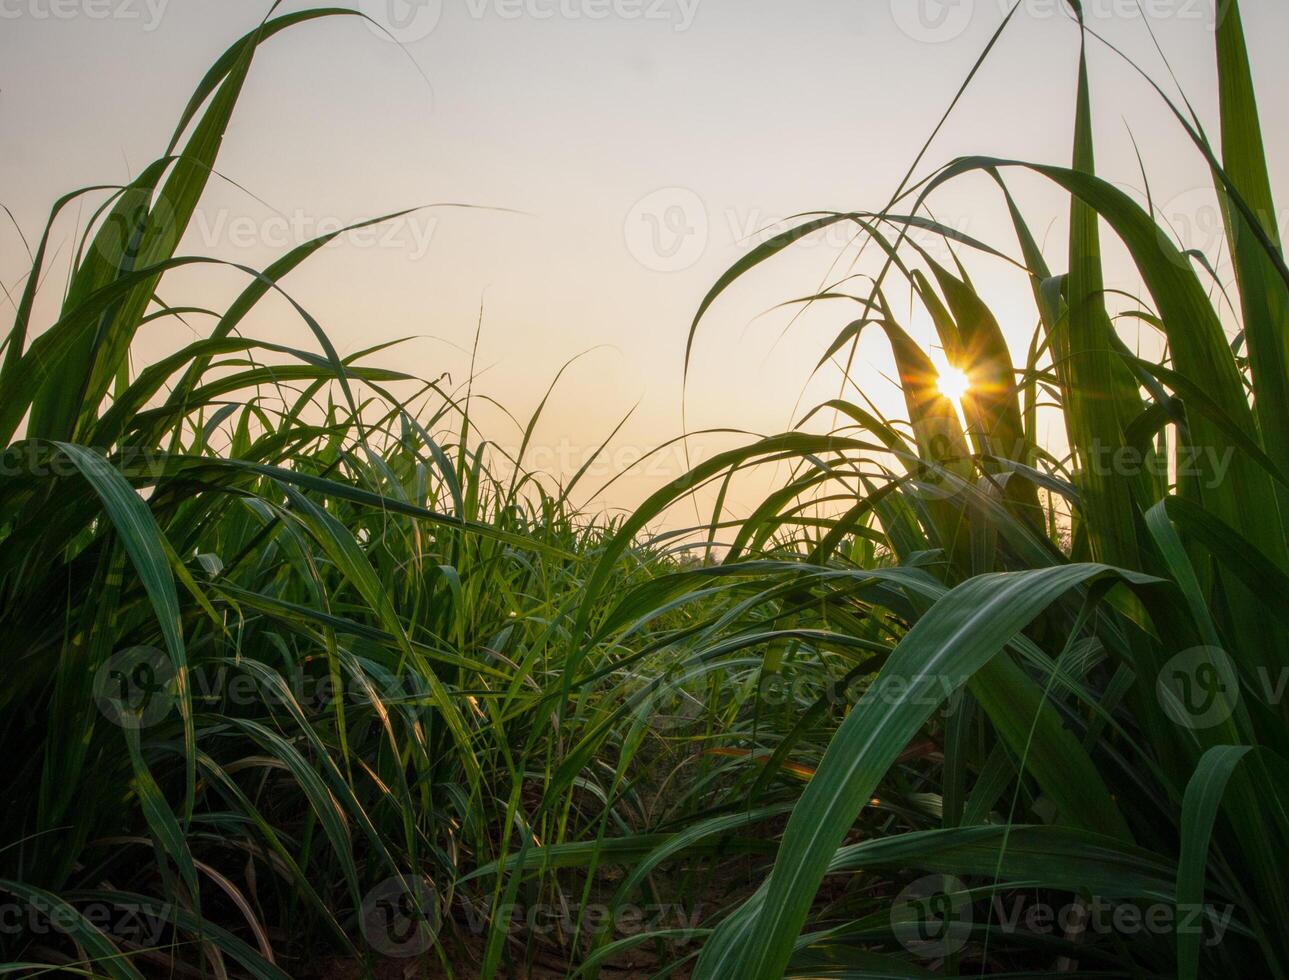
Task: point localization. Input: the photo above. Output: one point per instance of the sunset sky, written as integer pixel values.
(623, 153)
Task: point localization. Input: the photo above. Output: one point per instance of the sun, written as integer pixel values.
(953, 383)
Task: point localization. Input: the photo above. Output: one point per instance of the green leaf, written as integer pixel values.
(961, 633)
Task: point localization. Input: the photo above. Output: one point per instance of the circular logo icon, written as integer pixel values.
(121, 237)
(1199, 687)
(136, 687)
(1192, 221)
(666, 231)
(932, 916)
(931, 481)
(932, 21)
(404, 21)
(930, 476)
(670, 704)
(401, 916)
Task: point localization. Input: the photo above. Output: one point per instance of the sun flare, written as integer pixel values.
(953, 383)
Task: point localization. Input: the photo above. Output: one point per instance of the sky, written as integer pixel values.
(618, 156)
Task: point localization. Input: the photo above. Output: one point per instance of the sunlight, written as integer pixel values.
(618, 464)
(953, 383)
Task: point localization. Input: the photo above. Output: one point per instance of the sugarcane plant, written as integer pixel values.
(1090, 636)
